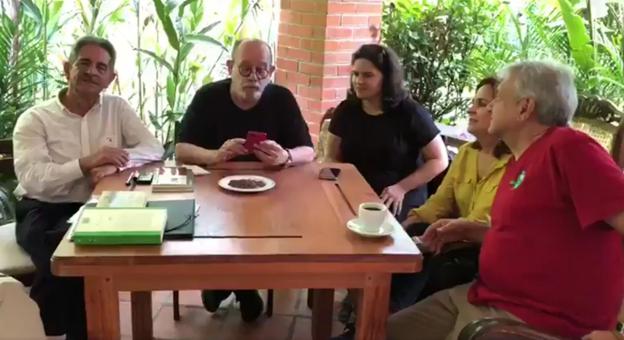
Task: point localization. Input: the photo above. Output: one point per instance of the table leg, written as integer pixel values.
(322, 310)
(141, 315)
(102, 306)
(373, 307)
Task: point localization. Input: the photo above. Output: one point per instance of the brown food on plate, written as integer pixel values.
(246, 183)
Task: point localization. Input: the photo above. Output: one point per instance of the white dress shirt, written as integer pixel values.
(48, 140)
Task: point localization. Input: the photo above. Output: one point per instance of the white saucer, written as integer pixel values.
(385, 229)
(225, 183)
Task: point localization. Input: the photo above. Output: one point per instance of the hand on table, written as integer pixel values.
(96, 174)
(271, 153)
(231, 148)
(392, 197)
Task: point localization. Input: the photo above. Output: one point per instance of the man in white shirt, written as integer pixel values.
(62, 148)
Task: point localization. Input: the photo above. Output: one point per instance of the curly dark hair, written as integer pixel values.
(388, 63)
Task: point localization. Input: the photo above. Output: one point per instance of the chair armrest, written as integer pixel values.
(502, 329)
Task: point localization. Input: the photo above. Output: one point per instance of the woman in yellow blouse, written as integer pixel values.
(467, 190)
(462, 202)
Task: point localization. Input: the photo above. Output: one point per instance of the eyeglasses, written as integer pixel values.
(260, 72)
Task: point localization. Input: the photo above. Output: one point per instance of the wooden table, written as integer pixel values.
(293, 236)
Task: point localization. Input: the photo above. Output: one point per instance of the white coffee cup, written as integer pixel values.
(372, 215)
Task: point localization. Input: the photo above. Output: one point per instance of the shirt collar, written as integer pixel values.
(65, 109)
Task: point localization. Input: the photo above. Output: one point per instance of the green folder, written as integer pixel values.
(117, 226)
(180, 218)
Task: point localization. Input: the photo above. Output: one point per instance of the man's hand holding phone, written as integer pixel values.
(231, 149)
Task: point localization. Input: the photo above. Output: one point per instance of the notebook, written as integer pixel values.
(122, 199)
(108, 226)
(180, 218)
(172, 179)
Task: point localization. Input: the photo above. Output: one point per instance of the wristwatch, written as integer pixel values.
(289, 159)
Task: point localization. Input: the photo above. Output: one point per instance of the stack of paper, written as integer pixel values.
(173, 179)
(122, 199)
(106, 226)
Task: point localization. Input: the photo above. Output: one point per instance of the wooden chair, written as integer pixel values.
(14, 261)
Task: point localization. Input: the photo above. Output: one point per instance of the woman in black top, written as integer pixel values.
(387, 135)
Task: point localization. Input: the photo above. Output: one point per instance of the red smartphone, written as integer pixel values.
(254, 138)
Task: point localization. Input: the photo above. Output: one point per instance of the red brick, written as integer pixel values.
(339, 33)
(368, 8)
(308, 68)
(315, 105)
(299, 78)
(297, 54)
(374, 20)
(360, 33)
(344, 70)
(309, 92)
(288, 41)
(289, 16)
(281, 77)
(288, 65)
(302, 102)
(313, 44)
(317, 57)
(316, 81)
(326, 104)
(292, 87)
(335, 82)
(282, 51)
(318, 32)
(338, 8)
(299, 31)
(285, 4)
(329, 70)
(313, 19)
(329, 94)
(333, 20)
(340, 58)
(311, 6)
(354, 20)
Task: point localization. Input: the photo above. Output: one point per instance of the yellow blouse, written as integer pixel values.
(461, 194)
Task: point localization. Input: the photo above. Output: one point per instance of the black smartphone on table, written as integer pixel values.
(329, 174)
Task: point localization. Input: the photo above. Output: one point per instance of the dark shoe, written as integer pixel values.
(212, 298)
(250, 304)
(347, 334)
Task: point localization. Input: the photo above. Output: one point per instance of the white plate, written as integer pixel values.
(385, 229)
(225, 183)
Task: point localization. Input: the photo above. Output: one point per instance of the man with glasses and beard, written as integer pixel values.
(221, 114)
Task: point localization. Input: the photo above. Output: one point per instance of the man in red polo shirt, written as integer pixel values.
(553, 255)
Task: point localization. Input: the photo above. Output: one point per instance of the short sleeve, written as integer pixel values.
(591, 178)
(337, 125)
(195, 128)
(295, 132)
(422, 128)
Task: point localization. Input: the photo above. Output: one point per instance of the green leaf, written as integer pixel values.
(182, 6)
(580, 41)
(209, 27)
(31, 9)
(171, 91)
(157, 58)
(165, 20)
(205, 39)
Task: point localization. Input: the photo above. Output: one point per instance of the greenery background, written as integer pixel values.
(168, 48)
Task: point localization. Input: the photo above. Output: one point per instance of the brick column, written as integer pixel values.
(314, 46)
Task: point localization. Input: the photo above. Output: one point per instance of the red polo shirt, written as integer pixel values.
(549, 258)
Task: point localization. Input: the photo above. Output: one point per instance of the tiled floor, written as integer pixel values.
(290, 321)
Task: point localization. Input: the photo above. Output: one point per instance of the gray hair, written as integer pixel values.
(550, 85)
(89, 40)
(237, 44)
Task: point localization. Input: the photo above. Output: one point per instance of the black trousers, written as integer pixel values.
(442, 271)
(40, 228)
